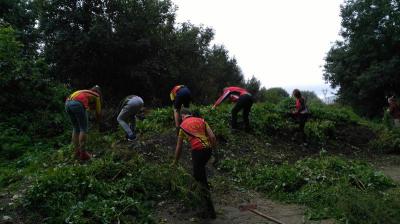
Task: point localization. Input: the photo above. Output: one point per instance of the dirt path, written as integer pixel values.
(389, 165)
(393, 172)
(227, 207)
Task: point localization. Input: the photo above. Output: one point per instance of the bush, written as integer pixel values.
(156, 121)
(319, 131)
(272, 95)
(13, 143)
(106, 191)
(36, 113)
(387, 141)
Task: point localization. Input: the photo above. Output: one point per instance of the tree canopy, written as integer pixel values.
(365, 64)
(132, 47)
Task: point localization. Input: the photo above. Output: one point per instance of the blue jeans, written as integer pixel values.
(78, 115)
(183, 97)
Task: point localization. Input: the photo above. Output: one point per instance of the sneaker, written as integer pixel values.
(85, 156)
(131, 138)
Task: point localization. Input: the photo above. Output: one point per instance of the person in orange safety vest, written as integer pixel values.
(243, 100)
(202, 140)
(301, 113)
(77, 106)
(180, 95)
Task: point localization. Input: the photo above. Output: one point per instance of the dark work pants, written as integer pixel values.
(183, 97)
(200, 159)
(244, 102)
(301, 119)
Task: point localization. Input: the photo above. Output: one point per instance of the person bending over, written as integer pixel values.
(202, 140)
(180, 95)
(77, 106)
(243, 100)
(129, 108)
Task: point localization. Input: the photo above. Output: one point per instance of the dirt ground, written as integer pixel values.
(227, 202)
(228, 212)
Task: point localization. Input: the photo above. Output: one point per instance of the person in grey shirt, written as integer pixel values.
(129, 107)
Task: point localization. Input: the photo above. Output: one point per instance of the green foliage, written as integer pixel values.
(21, 15)
(10, 55)
(364, 64)
(106, 191)
(387, 120)
(388, 141)
(334, 113)
(272, 95)
(31, 103)
(253, 86)
(319, 131)
(325, 185)
(13, 144)
(361, 207)
(156, 121)
(311, 97)
(133, 45)
(265, 118)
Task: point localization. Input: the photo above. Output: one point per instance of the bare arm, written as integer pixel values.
(211, 136)
(178, 149)
(221, 98)
(98, 110)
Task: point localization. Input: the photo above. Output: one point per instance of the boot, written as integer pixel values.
(210, 209)
(84, 156)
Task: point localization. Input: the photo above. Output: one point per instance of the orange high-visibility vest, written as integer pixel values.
(175, 90)
(89, 99)
(195, 129)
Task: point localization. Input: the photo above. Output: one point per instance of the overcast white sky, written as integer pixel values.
(281, 42)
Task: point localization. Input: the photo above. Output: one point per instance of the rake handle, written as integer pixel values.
(265, 216)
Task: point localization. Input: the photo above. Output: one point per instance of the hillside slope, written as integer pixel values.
(331, 178)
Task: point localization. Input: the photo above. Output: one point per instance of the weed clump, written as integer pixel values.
(106, 191)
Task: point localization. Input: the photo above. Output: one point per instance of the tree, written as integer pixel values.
(365, 65)
(23, 84)
(132, 47)
(273, 95)
(253, 86)
(115, 44)
(21, 15)
(311, 97)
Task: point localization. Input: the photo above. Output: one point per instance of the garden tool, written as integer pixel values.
(252, 208)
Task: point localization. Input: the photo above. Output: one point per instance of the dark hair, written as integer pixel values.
(296, 93)
(391, 99)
